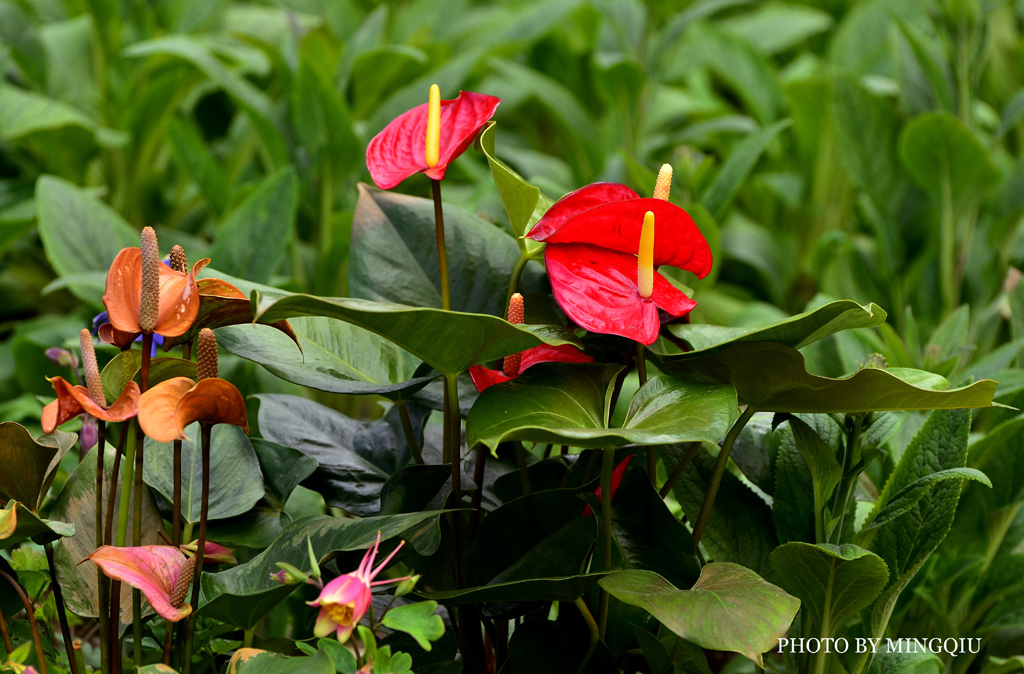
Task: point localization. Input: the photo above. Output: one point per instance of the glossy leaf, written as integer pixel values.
(236, 483)
(242, 595)
(19, 524)
(730, 608)
(256, 661)
(773, 377)
(832, 582)
(450, 342)
(335, 356)
(797, 331)
(568, 404)
(24, 464)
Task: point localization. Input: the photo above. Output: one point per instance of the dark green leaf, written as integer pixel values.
(719, 194)
(730, 608)
(24, 464)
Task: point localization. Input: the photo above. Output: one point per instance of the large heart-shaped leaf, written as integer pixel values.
(335, 356)
(568, 404)
(797, 331)
(18, 524)
(394, 254)
(236, 483)
(242, 595)
(833, 582)
(730, 608)
(773, 377)
(344, 448)
(448, 341)
(24, 464)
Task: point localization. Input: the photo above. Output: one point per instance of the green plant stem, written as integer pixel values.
(607, 465)
(641, 372)
(677, 472)
(947, 246)
(595, 633)
(247, 636)
(62, 615)
(716, 475)
(524, 471)
(442, 252)
(517, 272)
(846, 488)
(30, 612)
(102, 582)
(108, 529)
(176, 507)
(190, 628)
(454, 452)
(407, 430)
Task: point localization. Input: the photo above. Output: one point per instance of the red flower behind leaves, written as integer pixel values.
(398, 151)
(592, 238)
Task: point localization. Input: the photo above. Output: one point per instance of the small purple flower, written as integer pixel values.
(63, 357)
(90, 433)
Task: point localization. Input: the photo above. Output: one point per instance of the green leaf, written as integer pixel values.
(719, 194)
(80, 234)
(929, 61)
(906, 542)
(76, 504)
(773, 377)
(942, 154)
(23, 113)
(394, 254)
(569, 404)
(418, 620)
(253, 241)
(262, 662)
(236, 483)
(730, 608)
(448, 341)
(797, 331)
(198, 163)
(832, 582)
(820, 459)
(18, 524)
(24, 464)
(283, 469)
(336, 357)
(244, 594)
(776, 27)
(740, 528)
(18, 33)
(256, 104)
(907, 658)
(906, 498)
(524, 203)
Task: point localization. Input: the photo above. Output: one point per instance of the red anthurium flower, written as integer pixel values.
(513, 365)
(161, 572)
(593, 236)
(167, 408)
(400, 149)
(617, 474)
(344, 600)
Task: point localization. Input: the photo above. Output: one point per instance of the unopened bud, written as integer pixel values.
(181, 588)
(90, 433)
(149, 308)
(516, 315)
(664, 184)
(289, 575)
(206, 355)
(92, 370)
(62, 357)
(407, 585)
(178, 260)
(432, 150)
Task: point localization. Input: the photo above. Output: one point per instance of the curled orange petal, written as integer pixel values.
(214, 401)
(111, 335)
(157, 407)
(179, 299)
(123, 293)
(74, 400)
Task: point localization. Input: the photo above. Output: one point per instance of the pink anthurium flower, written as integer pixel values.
(161, 572)
(399, 150)
(617, 474)
(344, 600)
(592, 238)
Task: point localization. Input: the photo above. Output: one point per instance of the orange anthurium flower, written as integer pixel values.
(167, 408)
(74, 400)
(179, 296)
(161, 572)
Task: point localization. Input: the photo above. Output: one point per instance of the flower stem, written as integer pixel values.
(641, 373)
(186, 661)
(716, 476)
(176, 513)
(5, 634)
(58, 598)
(147, 350)
(442, 252)
(607, 465)
(595, 633)
(517, 272)
(31, 621)
(478, 495)
(108, 529)
(677, 472)
(410, 434)
(102, 582)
